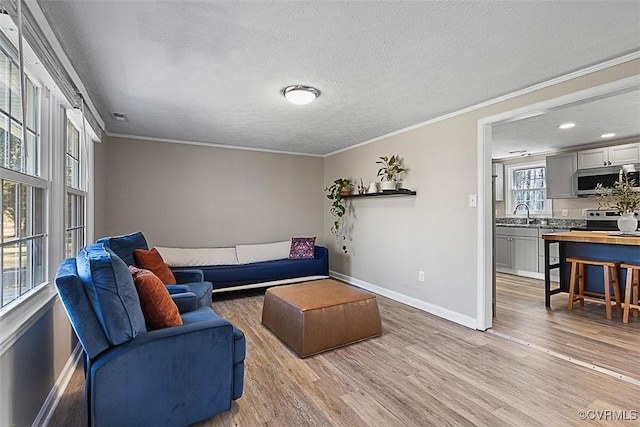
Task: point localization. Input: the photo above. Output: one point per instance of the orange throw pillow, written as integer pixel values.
(152, 261)
(158, 308)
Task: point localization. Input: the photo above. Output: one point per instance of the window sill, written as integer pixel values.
(19, 316)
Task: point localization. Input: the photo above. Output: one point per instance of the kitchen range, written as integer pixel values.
(603, 220)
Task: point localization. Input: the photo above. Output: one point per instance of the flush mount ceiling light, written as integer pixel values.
(300, 95)
(567, 125)
(608, 135)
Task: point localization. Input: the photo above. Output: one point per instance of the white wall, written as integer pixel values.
(435, 231)
(195, 196)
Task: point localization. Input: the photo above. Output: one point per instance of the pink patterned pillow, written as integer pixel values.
(302, 247)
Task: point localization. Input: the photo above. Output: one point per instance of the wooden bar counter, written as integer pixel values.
(597, 245)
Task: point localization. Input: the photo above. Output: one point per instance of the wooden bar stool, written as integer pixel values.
(632, 288)
(610, 270)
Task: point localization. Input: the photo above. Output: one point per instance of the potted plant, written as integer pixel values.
(390, 168)
(335, 193)
(623, 197)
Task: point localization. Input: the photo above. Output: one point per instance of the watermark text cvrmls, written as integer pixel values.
(609, 414)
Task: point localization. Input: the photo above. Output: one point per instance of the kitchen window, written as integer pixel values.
(527, 183)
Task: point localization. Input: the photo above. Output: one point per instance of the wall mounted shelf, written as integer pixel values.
(382, 194)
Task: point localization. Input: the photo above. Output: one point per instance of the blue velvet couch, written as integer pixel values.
(258, 274)
(188, 280)
(139, 377)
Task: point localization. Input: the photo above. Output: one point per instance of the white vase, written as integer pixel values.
(387, 185)
(627, 223)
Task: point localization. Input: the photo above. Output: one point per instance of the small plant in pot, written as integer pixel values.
(623, 197)
(335, 192)
(390, 169)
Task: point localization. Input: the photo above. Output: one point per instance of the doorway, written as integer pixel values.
(485, 153)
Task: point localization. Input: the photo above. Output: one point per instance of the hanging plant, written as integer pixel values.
(335, 193)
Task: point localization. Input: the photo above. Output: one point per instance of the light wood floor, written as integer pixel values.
(427, 371)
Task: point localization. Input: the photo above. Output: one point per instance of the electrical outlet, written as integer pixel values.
(421, 276)
(473, 201)
(565, 212)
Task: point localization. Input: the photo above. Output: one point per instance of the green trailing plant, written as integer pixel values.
(338, 209)
(623, 196)
(390, 167)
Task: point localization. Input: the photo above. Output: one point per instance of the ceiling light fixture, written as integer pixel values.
(608, 135)
(300, 95)
(567, 125)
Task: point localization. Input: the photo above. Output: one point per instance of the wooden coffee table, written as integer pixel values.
(313, 317)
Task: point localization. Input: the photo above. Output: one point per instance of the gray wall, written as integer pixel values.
(436, 231)
(100, 188)
(30, 367)
(195, 196)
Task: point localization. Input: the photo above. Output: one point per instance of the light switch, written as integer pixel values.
(472, 201)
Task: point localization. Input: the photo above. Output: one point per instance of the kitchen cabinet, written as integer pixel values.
(609, 156)
(498, 172)
(517, 251)
(560, 169)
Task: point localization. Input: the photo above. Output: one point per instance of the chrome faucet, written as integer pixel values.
(526, 206)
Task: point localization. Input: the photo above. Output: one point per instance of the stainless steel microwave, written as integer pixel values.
(585, 180)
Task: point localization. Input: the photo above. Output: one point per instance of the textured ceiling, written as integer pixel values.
(618, 113)
(212, 71)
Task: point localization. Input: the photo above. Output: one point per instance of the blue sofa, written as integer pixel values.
(134, 376)
(188, 280)
(256, 274)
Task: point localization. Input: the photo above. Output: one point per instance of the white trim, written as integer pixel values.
(484, 294)
(206, 144)
(598, 67)
(485, 228)
(18, 316)
(442, 312)
(42, 22)
(55, 394)
(268, 284)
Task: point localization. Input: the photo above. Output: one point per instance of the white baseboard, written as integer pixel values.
(52, 400)
(436, 310)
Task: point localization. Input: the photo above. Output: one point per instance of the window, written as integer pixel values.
(23, 245)
(528, 185)
(75, 196)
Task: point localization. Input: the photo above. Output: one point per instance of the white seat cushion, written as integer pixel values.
(198, 257)
(264, 252)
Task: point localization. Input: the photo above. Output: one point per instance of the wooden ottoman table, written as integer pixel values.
(321, 315)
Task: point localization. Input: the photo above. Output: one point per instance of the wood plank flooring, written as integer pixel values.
(427, 371)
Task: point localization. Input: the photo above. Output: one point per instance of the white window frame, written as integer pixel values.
(17, 317)
(75, 117)
(509, 203)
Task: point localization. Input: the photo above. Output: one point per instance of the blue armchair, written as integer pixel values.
(188, 280)
(134, 376)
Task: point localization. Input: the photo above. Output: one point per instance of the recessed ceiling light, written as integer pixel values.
(567, 125)
(608, 135)
(300, 95)
(121, 117)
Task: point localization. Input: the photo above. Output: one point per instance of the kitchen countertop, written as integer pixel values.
(551, 225)
(605, 237)
(555, 223)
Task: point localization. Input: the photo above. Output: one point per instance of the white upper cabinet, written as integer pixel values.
(609, 156)
(624, 154)
(560, 170)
